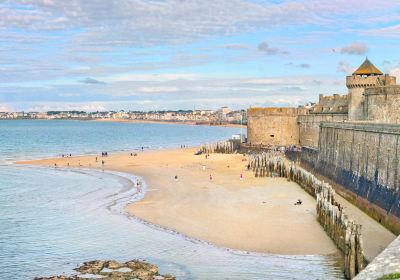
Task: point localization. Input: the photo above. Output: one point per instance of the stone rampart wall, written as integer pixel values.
(382, 104)
(309, 127)
(273, 126)
(364, 158)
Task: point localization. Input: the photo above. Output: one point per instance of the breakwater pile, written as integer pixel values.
(223, 147)
(364, 161)
(344, 232)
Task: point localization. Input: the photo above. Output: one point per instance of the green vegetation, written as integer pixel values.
(395, 275)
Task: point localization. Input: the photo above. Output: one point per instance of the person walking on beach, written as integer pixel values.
(210, 177)
(96, 159)
(102, 162)
(241, 176)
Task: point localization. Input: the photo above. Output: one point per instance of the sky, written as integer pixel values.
(186, 54)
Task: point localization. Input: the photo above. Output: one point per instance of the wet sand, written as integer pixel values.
(253, 214)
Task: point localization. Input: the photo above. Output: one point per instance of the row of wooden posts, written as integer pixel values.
(224, 147)
(344, 232)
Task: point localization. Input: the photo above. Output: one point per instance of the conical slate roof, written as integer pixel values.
(367, 68)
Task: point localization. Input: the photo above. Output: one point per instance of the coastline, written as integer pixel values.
(250, 215)
(140, 121)
(170, 122)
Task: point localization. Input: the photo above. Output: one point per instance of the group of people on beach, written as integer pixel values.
(102, 162)
(66, 155)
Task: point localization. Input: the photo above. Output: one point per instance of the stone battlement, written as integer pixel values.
(334, 104)
(387, 90)
(357, 81)
(276, 111)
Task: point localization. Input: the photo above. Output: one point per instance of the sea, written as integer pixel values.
(52, 220)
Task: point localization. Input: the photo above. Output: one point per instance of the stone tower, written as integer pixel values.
(366, 76)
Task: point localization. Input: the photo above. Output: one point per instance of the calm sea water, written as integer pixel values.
(53, 219)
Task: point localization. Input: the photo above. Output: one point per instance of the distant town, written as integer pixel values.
(221, 116)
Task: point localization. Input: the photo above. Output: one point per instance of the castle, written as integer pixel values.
(372, 97)
(353, 139)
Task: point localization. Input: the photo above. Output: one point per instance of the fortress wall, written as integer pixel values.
(382, 104)
(364, 158)
(357, 85)
(309, 127)
(274, 126)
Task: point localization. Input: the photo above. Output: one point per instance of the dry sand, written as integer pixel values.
(375, 237)
(253, 214)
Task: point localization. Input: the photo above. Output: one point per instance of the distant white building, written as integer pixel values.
(222, 112)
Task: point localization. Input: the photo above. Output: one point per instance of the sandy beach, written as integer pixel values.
(253, 214)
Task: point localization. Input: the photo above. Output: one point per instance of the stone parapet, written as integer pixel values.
(386, 263)
(364, 126)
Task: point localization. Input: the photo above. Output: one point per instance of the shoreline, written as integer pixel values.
(140, 195)
(140, 121)
(229, 213)
(193, 123)
(155, 208)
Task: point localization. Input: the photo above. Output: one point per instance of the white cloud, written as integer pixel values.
(174, 92)
(5, 108)
(151, 77)
(63, 106)
(158, 89)
(395, 72)
(235, 46)
(265, 48)
(389, 31)
(357, 48)
(136, 22)
(344, 67)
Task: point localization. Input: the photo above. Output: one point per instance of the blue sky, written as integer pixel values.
(149, 55)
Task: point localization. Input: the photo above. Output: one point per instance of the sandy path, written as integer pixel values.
(253, 214)
(375, 237)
